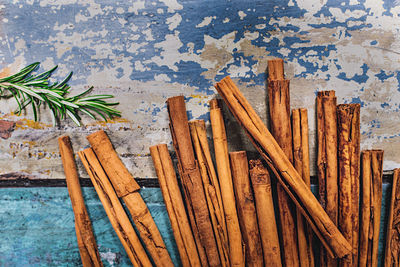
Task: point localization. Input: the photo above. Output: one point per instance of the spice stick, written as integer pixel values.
(371, 201)
(225, 179)
(210, 185)
(115, 212)
(261, 183)
(190, 212)
(345, 113)
(127, 189)
(191, 178)
(174, 204)
(376, 162)
(325, 229)
(281, 130)
(365, 207)
(392, 250)
(246, 208)
(86, 242)
(327, 160)
(355, 177)
(301, 161)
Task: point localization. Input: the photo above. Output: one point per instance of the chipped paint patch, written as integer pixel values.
(6, 128)
(145, 52)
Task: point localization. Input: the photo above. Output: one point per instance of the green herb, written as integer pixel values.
(36, 90)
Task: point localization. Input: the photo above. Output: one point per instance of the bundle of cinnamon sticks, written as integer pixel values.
(228, 210)
(235, 197)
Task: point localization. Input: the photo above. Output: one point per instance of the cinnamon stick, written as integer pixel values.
(377, 172)
(327, 162)
(355, 178)
(261, 183)
(246, 208)
(86, 241)
(174, 204)
(190, 212)
(191, 178)
(225, 179)
(284, 171)
(211, 187)
(127, 188)
(371, 201)
(366, 183)
(115, 212)
(345, 114)
(392, 250)
(301, 161)
(281, 130)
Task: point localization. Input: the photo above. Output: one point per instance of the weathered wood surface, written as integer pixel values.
(38, 227)
(144, 52)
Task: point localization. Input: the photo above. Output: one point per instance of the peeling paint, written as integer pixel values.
(6, 128)
(144, 52)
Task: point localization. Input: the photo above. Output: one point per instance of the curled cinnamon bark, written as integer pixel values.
(301, 161)
(281, 130)
(192, 181)
(115, 212)
(225, 180)
(284, 171)
(174, 204)
(246, 209)
(392, 250)
(127, 188)
(86, 242)
(261, 183)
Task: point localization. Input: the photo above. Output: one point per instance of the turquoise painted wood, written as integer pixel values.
(37, 227)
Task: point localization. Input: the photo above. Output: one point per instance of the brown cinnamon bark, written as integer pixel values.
(246, 209)
(126, 188)
(355, 177)
(301, 160)
(392, 250)
(86, 241)
(372, 161)
(281, 130)
(327, 163)
(190, 212)
(288, 177)
(265, 213)
(345, 114)
(365, 208)
(115, 212)
(225, 179)
(210, 185)
(191, 178)
(377, 172)
(174, 204)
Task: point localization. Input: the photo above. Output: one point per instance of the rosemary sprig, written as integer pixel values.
(36, 90)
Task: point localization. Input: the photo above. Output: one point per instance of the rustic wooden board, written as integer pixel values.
(146, 51)
(37, 227)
